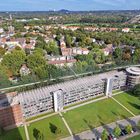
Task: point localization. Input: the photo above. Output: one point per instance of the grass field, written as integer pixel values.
(129, 101)
(95, 114)
(44, 127)
(135, 138)
(14, 134)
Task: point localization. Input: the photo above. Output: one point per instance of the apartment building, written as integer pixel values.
(55, 97)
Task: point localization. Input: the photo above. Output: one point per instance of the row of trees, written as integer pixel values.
(117, 132)
(85, 38)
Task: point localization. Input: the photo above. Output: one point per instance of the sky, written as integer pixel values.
(75, 5)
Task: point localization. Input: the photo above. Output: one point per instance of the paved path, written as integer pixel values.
(66, 124)
(26, 132)
(96, 132)
(124, 107)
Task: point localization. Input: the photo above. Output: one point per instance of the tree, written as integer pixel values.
(136, 55)
(38, 65)
(41, 72)
(14, 60)
(117, 131)
(53, 71)
(104, 135)
(40, 43)
(128, 129)
(126, 56)
(136, 90)
(68, 40)
(39, 51)
(35, 60)
(17, 48)
(98, 55)
(117, 53)
(37, 134)
(52, 48)
(27, 40)
(4, 81)
(53, 128)
(2, 52)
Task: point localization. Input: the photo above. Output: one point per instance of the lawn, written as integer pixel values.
(94, 114)
(135, 138)
(45, 127)
(14, 134)
(129, 101)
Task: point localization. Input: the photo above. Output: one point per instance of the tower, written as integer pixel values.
(109, 87)
(58, 100)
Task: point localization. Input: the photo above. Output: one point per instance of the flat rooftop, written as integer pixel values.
(133, 70)
(72, 84)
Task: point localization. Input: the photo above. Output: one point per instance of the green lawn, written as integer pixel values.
(44, 127)
(116, 91)
(135, 138)
(130, 101)
(95, 114)
(14, 134)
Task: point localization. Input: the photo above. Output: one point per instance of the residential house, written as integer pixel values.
(108, 50)
(61, 60)
(126, 30)
(24, 70)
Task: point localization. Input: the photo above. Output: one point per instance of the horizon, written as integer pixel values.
(71, 5)
(59, 10)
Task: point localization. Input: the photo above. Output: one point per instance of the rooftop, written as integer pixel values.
(133, 70)
(66, 86)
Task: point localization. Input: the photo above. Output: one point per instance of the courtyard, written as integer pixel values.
(80, 119)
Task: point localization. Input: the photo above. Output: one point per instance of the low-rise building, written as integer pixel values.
(126, 30)
(24, 70)
(61, 60)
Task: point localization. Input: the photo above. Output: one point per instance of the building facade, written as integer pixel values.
(55, 97)
(133, 77)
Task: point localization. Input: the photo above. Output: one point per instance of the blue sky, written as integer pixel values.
(44, 5)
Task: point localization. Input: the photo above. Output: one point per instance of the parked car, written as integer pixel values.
(134, 129)
(109, 137)
(124, 131)
(98, 138)
(122, 134)
(113, 136)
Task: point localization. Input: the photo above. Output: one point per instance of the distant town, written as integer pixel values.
(70, 75)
